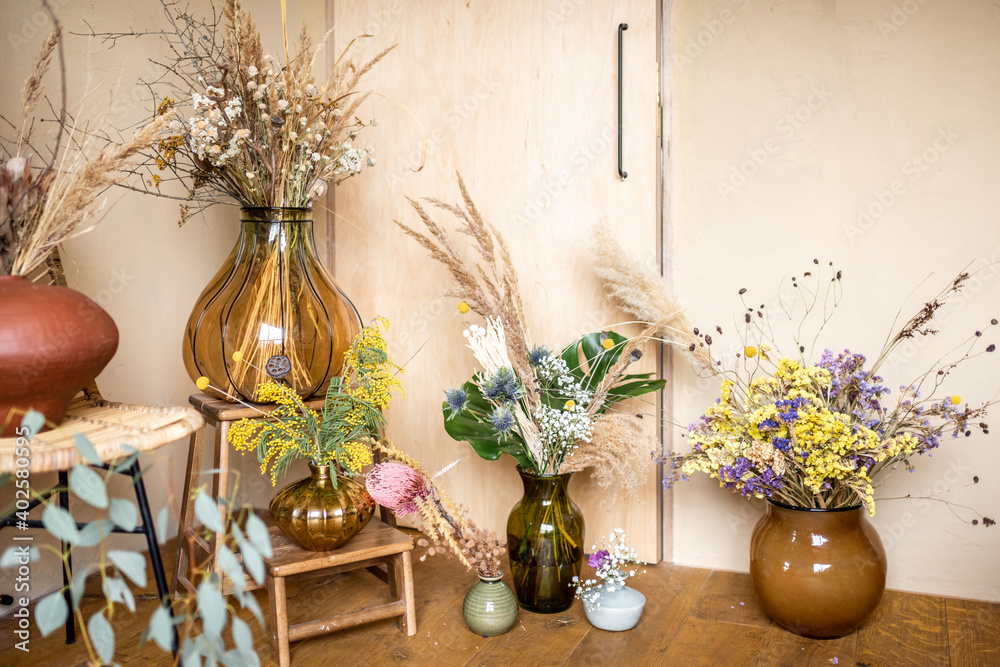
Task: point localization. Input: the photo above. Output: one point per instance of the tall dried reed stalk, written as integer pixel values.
(643, 293)
(40, 208)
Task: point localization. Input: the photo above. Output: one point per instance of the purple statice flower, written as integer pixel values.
(789, 409)
(768, 425)
(850, 380)
(783, 444)
(598, 558)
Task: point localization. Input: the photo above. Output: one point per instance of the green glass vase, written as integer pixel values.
(545, 543)
(490, 607)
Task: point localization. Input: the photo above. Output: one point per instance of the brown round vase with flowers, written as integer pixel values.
(817, 572)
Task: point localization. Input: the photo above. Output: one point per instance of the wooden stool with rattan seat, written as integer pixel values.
(117, 430)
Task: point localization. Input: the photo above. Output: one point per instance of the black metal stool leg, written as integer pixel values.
(154, 548)
(64, 503)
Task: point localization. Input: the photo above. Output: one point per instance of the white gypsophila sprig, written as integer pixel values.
(561, 429)
(553, 372)
(614, 563)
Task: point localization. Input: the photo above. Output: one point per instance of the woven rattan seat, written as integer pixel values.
(115, 429)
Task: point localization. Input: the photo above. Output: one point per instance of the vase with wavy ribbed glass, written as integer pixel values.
(545, 543)
(818, 572)
(273, 301)
(490, 607)
(318, 516)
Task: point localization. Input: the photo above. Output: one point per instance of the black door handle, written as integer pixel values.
(622, 27)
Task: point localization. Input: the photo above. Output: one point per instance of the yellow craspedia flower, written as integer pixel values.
(607, 343)
(201, 383)
(750, 351)
(570, 405)
(237, 356)
(463, 308)
(956, 399)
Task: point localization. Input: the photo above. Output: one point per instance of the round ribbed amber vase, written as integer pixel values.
(274, 301)
(545, 543)
(819, 573)
(318, 516)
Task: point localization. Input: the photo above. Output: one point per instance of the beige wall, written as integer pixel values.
(888, 82)
(143, 269)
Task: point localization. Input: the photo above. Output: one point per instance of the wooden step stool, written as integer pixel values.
(375, 545)
(380, 545)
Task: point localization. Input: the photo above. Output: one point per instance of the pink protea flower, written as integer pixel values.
(395, 486)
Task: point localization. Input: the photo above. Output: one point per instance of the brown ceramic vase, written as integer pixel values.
(319, 517)
(818, 573)
(53, 342)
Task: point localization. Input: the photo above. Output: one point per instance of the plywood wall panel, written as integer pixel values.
(520, 97)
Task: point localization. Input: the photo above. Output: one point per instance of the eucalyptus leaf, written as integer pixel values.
(161, 630)
(232, 568)
(102, 636)
(88, 486)
(79, 584)
(33, 422)
(51, 612)
(116, 590)
(243, 639)
(258, 535)
(95, 531)
(253, 562)
(86, 449)
(14, 556)
(211, 608)
(124, 513)
(60, 523)
(190, 655)
(207, 511)
(131, 564)
(250, 602)
(161, 524)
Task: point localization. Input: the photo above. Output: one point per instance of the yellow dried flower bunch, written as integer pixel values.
(338, 435)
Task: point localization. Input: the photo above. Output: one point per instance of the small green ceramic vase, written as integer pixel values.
(490, 607)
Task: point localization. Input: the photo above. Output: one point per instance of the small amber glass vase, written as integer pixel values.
(318, 516)
(274, 301)
(819, 573)
(545, 543)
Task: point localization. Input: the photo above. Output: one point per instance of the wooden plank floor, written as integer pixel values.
(692, 617)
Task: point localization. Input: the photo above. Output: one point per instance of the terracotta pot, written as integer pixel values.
(319, 517)
(545, 543)
(53, 342)
(818, 573)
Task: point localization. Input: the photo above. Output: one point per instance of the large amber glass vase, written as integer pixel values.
(545, 543)
(275, 302)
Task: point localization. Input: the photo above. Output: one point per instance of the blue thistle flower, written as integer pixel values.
(538, 354)
(503, 420)
(457, 399)
(502, 387)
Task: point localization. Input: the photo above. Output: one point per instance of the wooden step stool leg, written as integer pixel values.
(195, 448)
(279, 619)
(403, 566)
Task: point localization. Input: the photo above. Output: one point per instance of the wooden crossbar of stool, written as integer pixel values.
(377, 544)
